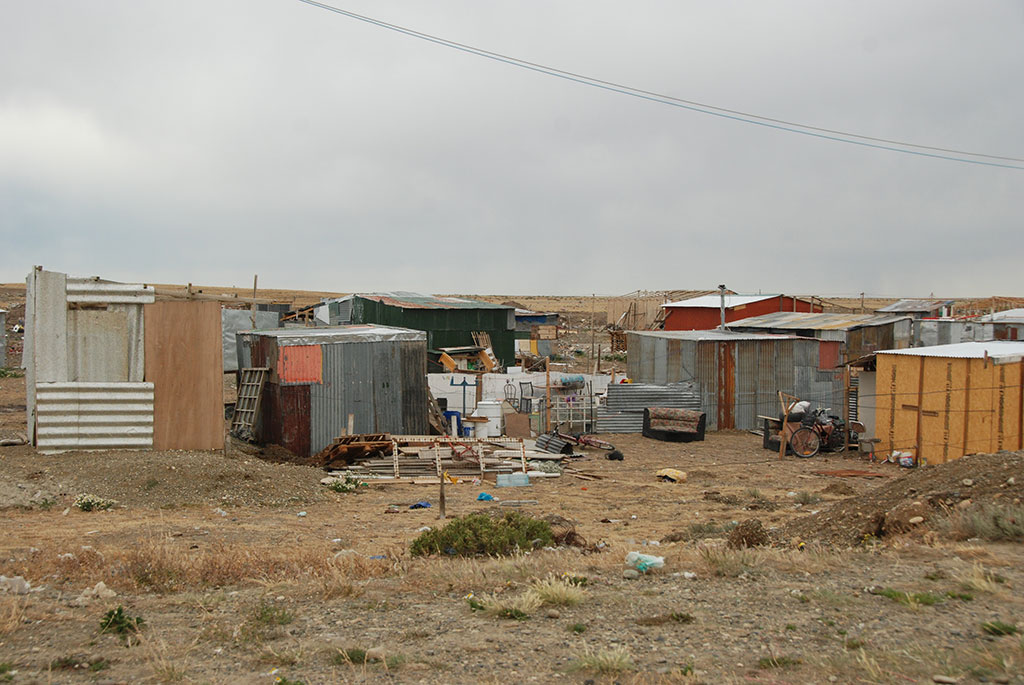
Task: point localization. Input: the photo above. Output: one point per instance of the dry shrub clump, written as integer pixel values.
(517, 607)
(989, 521)
(558, 591)
(609, 661)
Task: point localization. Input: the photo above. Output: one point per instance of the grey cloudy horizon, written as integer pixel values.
(205, 142)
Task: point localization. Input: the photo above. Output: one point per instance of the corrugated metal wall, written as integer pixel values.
(761, 368)
(94, 416)
(382, 384)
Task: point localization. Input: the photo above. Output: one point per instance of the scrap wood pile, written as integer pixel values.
(916, 501)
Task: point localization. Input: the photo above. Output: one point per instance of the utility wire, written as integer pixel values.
(722, 112)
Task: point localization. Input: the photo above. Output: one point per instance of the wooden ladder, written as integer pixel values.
(247, 406)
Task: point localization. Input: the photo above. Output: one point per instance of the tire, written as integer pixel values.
(805, 443)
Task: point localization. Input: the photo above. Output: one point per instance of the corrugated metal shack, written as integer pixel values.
(448, 321)
(940, 403)
(319, 376)
(1005, 325)
(109, 367)
(928, 332)
(859, 334)
(738, 375)
(918, 308)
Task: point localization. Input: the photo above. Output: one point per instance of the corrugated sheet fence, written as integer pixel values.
(94, 416)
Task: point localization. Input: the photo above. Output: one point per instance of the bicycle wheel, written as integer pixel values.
(805, 442)
(594, 442)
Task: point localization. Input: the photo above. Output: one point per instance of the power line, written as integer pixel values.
(692, 105)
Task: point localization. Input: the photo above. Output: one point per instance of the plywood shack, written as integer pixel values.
(943, 402)
(108, 367)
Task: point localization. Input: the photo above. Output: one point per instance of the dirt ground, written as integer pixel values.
(248, 571)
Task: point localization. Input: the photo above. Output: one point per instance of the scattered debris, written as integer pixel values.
(672, 475)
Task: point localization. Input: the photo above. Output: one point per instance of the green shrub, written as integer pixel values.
(480, 534)
(999, 628)
(117, 621)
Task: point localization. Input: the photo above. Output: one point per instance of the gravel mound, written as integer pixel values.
(915, 500)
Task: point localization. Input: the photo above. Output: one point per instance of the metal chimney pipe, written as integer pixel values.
(721, 293)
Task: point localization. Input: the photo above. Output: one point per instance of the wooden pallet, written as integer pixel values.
(348, 448)
(251, 382)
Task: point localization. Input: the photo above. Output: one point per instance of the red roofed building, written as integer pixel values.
(703, 313)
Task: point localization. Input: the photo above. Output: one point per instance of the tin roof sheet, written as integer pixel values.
(815, 321)
(914, 305)
(715, 301)
(338, 334)
(409, 300)
(968, 350)
(714, 334)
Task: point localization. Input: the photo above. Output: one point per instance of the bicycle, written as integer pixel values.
(818, 429)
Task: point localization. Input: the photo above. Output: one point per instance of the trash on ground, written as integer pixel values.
(672, 475)
(644, 562)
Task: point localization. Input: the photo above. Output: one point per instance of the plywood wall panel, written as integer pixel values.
(184, 363)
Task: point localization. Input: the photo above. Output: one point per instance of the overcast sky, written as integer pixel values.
(207, 141)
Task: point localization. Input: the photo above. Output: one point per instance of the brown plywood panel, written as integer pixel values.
(184, 363)
(980, 430)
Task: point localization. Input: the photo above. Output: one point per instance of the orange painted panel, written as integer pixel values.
(301, 364)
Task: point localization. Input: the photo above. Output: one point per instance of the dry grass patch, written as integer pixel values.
(164, 565)
(12, 613)
(990, 521)
(730, 563)
(518, 607)
(606, 661)
(978, 579)
(558, 591)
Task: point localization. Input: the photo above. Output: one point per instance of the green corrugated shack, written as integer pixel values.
(448, 321)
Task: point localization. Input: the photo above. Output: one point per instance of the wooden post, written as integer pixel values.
(253, 306)
(441, 502)
(846, 408)
(547, 392)
(593, 324)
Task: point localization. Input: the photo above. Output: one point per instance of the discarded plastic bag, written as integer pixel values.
(484, 497)
(644, 562)
(420, 505)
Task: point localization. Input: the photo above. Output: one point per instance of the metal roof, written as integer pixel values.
(914, 305)
(409, 300)
(715, 301)
(337, 334)
(1005, 316)
(968, 350)
(714, 334)
(815, 321)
